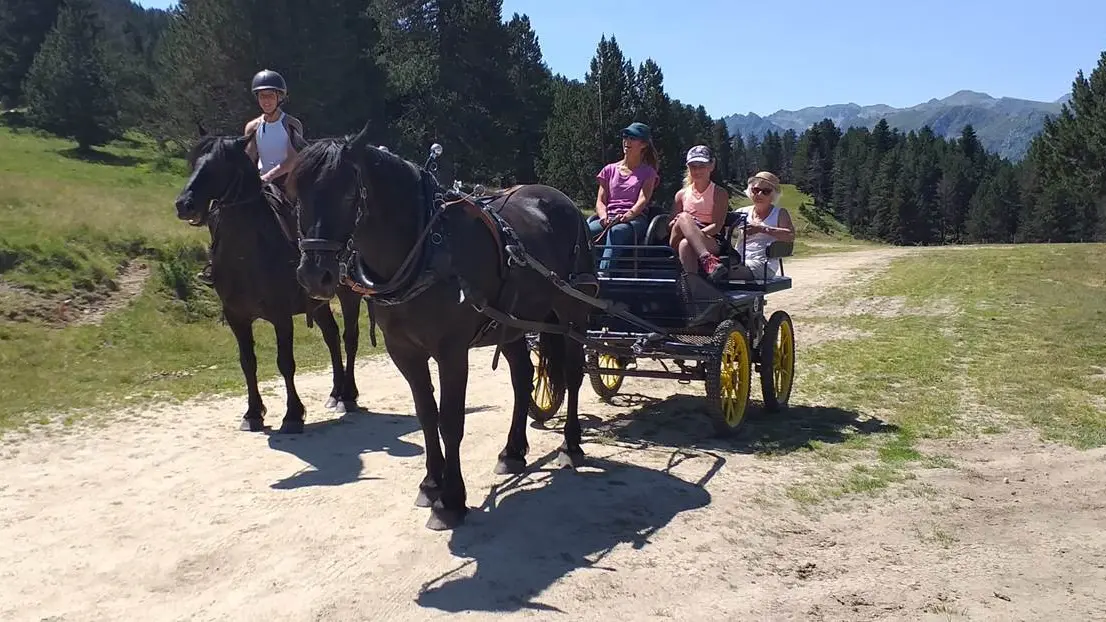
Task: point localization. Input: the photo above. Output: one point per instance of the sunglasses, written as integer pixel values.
(761, 190)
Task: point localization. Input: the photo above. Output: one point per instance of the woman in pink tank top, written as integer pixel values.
(699, 211)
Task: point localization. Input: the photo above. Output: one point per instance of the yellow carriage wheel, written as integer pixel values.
(777, 361)
(729, 377)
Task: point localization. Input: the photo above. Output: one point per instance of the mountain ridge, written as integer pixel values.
(1005, 125)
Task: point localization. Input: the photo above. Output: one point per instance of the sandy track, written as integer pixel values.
(173, 514)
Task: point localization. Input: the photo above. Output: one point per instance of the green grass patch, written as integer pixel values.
(1030, 334)
(66, 225)
(976, 340)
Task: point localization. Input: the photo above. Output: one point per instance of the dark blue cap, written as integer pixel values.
(638, 130)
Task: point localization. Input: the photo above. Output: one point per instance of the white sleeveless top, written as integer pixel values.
(272, 144)
(756, 245)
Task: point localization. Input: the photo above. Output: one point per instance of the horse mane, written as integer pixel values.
(325, 159)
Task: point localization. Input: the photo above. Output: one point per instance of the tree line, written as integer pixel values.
(457, 72)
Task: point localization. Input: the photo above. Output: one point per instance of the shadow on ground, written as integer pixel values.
(99, 157)
(682, 421)
(542, 526)
(333, 448)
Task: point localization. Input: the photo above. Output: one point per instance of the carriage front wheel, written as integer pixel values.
(606, 386)
(777, 361)
(729, 377)
(545, 401)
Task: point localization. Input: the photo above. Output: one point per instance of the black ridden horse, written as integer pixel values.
(254, 259)
(428, 266)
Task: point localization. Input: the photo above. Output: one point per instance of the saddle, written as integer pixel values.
(284, 210)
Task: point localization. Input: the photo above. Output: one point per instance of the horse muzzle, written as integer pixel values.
(318, 272)
(188, 211)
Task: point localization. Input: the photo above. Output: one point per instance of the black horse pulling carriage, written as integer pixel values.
(448, 272)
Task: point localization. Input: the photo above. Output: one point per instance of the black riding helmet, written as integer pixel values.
(269, 79)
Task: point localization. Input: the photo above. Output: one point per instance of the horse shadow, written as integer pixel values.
(682, 421)
(333, 447)
(544, 525)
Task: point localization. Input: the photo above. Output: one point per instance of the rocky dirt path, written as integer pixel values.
(173, 514)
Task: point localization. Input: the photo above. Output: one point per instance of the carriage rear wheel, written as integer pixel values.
(729, 377)
(606, 386)
(545, 400)
(777, 361)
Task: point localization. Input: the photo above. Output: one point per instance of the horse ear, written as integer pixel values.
(201, 129)
(360, 140)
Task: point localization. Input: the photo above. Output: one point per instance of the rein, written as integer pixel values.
(391, 292)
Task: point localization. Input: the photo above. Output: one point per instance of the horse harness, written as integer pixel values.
(428, 261)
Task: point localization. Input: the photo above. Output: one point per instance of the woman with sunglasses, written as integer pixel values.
(700, 211)
(766, 222)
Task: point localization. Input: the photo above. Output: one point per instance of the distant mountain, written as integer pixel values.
(1005, 125)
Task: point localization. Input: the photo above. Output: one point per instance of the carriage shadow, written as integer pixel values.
(682, 421)
(333, 448)
(546, 524)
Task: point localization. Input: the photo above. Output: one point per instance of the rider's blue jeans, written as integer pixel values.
(621, 234)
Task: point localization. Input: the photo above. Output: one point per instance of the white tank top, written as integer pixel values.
(756, 245)
(272, 144)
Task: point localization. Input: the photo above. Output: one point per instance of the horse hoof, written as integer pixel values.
(291, 426)
(252, 425)
(567, 460)
(351, 406)
(339, 408)
(510, 466)
(426, 498)
(442, 519)
(331, 402)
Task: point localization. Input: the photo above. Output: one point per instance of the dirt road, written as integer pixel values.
(173, 514)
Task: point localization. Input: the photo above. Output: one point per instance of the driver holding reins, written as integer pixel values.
(277, 137)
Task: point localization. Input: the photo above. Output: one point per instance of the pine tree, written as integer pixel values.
(70, 87)
(739, 160)
(720, 146)
(532, 82)
(24, 25)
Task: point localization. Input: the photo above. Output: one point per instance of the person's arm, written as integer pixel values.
(602, 197)
(786, 230)
(643, 199)
(677, 206)
(251, 147)
(721, 206)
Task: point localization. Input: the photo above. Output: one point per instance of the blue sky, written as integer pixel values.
(736, 56)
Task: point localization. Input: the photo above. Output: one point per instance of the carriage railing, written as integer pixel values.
(633, 261)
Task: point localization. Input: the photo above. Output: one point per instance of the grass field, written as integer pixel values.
(66, 226)
(956, 342)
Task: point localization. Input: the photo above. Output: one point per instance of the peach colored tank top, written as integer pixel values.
(700, 206)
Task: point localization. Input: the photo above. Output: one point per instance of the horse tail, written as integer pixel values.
(554, 359)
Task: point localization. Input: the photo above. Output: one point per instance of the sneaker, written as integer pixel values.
(712, 267)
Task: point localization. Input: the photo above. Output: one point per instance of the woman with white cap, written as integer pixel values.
(700, 211)
(766, 222)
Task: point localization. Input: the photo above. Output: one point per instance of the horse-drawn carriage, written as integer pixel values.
(695, 329)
